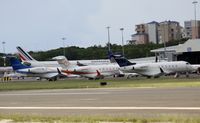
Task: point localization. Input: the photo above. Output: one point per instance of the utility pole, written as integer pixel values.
(63, 39)
(195, 18)
(122, 31)
(4, 57)
(108, 38)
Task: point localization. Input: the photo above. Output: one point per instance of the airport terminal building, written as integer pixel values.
(189, 51)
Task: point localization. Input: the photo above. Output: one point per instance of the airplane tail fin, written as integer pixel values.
(62, 60)
(122, 61)
(24, 56)
(16, 64)
(112, 60)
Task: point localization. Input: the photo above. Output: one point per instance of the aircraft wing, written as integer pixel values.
(49, 75)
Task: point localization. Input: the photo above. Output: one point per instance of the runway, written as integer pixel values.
(124, 101)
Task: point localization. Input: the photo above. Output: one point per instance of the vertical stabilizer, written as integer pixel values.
(122, 61)
(16, 64)
(63, 62)
(24, 56)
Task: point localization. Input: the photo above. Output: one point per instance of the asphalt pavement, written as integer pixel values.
(119, 102)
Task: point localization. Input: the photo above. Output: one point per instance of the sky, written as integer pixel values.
(41, 25)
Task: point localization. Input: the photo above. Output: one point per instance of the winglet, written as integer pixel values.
(59, 72)
(98, 73)
(161, 70)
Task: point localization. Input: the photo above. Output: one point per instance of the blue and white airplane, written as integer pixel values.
(155, 69)
(49, 73)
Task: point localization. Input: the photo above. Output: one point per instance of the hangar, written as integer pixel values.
(188, 51)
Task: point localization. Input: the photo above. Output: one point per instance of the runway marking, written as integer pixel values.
(46, 94)
(88, 99)
(100, 108)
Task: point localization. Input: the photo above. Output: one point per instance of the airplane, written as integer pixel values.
(90, 71)
(155, 69)
(5, 70)
(30, 61)
(50, 73)
(27, 59)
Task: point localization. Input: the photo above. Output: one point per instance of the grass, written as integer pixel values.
(97, 119)
(112, 83)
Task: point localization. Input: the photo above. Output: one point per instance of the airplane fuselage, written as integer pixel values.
(73, 62)
(159, 68)
(94, 71)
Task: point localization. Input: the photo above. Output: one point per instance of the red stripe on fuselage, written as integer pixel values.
(77, 72)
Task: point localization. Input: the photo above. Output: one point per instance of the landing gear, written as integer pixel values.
(187, 75)
(176, 75)
(53, 79)
(128, 77)
(156, 77)
(148, 77)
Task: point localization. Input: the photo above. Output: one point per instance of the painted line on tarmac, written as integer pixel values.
(100, 108)
(47, 94)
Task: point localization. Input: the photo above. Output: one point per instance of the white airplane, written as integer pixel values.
(153, 69)
(30, 61)
(90, 71)
(49, 73)
(5, 70)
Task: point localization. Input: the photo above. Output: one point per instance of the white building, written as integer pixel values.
(153, 32)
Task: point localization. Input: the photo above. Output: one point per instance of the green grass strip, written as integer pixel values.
(97, 119)
(112, 83)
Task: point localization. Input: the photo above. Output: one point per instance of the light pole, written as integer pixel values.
(4, 57)
(195, 18)
(122, 31)
(108, 38)
(164, 41)
(63, 39)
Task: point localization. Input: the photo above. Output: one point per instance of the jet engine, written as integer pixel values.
(38, 70)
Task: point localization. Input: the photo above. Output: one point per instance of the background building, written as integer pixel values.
(152, 28)
(195, 29)
(188, 51)
(141, 28)
(192, 30)
(155, 32)
(169, 31)
(140, 38)
(187, 29)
